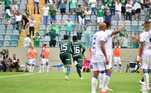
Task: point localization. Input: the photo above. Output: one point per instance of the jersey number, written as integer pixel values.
(64, 47)
(77, 50)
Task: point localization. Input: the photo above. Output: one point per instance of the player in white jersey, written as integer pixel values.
(98, 56)
(145, 54)
(109, 32)
(101, 44)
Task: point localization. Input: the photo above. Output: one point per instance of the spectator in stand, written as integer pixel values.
(7, 4)
(46, 39)
(78, 13)
(62, 6)
(53, 33)
(45, 15)
(108, 16)
(137, 9)
(18, 19)
(73, 6)
(31, 27)
(93, 7)
(124, 2)
(69, 27)
(25, 21)
(100, 14)
(14, 7)
(36, 40)
(52, 13)
(129, 10)
(27, 42)
(36, 6)
(118, 7)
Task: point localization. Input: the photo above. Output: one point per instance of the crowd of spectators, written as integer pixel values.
(80, 13)
(8, 63)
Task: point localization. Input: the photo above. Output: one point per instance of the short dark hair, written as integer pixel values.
(74, 38)
(108, 24)
(65, 37)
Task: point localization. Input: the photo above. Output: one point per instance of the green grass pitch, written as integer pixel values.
(54, 82)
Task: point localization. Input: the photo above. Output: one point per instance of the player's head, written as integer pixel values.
(44, 45)
(108, 24)
(27, 35)
(74, 38)
(102, 26)
(147, 26)
(65, 37)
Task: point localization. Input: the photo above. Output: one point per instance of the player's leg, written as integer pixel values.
(33, 64)
(30, 65)
(47, 65)
(119, 64)
(145, 66)
(109, 73)
(68, 64)
(94, 80)
(79, 66)
(62, 58)
(102, 77)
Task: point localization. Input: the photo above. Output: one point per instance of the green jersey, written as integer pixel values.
(78, 49)
(100, 12)
(65, 47)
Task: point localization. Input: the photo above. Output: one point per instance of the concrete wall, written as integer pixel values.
(54, 54)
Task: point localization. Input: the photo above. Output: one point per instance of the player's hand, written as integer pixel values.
(139, 59)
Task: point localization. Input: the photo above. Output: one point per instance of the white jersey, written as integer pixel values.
(146, 38)
(109, 42)
(97, 55)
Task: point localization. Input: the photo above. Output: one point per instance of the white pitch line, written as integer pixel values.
(20, 75)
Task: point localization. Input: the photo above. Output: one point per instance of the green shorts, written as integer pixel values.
(78, 59)
(65, 58)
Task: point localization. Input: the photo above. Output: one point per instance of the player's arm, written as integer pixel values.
(104, 50)
(83, 49)
(141, 50)
(118, 29)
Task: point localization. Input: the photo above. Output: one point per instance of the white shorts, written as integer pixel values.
(100, 19)
(109, 66)
(99, 66)
(32, 61)
(117, 60)
(146, 62)
(44, 61)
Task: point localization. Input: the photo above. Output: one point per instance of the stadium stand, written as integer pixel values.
(12, 37)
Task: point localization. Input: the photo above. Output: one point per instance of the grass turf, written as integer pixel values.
(54, 83)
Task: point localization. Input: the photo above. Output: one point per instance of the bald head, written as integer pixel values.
(102, 26)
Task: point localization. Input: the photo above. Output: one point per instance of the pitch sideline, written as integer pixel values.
(20, 75)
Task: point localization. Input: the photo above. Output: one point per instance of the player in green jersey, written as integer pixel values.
(78, 53)
(65, 55)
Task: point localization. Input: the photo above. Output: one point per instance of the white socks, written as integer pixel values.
(93, 85)
(146, 80)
